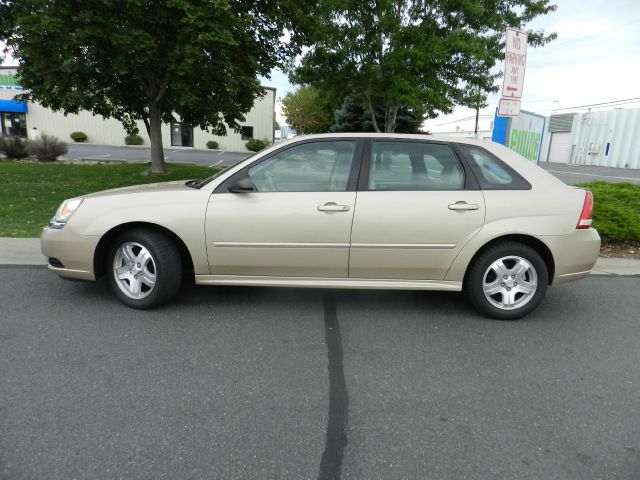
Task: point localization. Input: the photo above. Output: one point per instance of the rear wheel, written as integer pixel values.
(507, 281)
(145, 268)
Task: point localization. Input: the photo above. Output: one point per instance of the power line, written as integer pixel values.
(611, 103)
(461, 120)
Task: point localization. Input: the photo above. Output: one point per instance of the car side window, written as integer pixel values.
(493, 174)
(414, 166)
(309, 167)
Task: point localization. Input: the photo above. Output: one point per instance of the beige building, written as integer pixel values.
(26, 118)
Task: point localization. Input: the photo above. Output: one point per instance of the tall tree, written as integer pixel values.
(352, 117)
(425, 55)
(307, 111)
(149, 60)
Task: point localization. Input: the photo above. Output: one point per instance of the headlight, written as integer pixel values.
(64, 212)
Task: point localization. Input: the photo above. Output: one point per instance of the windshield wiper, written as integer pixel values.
(194, 183)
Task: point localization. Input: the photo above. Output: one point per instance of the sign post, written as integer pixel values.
(515, 61)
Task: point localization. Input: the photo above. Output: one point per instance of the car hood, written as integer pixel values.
(163, 187)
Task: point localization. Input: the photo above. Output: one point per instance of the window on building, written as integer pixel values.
(247, 133)
(13, 124)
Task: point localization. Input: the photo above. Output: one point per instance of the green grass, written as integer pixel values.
(616, 212)
(31, 193)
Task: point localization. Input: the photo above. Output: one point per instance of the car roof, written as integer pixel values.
(408, 136)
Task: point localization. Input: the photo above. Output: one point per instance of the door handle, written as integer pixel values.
(464, 206)
(333, 207)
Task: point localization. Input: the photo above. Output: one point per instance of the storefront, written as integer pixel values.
(13, 118)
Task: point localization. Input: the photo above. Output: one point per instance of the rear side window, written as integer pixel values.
(493, 174)
(399, 166)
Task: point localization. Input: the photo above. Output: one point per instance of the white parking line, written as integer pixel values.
(216, 164)
(595, 175)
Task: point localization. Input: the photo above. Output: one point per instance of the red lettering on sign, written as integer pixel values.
(516, 43)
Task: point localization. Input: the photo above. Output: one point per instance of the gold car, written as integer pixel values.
(379, 211)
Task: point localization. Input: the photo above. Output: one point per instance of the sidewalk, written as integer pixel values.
(26, 251)
(21, 251)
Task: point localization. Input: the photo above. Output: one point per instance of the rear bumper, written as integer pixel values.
(574, 254)
(74, 251)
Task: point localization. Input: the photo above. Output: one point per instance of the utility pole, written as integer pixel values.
(477, 112)
(477, 118)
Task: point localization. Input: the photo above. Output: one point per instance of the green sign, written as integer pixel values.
(526, 144)
(525, 135)
(9, 81)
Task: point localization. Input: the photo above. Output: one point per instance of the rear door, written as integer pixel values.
(416, 207)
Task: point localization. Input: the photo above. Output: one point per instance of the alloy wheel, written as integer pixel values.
(510, 283)
(134, 270)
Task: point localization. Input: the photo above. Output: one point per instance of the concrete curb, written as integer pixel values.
(26, 251)
(616, 266)
(21, 251)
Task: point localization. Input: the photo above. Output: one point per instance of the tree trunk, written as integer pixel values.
(390, 115)
(373, 114)
(155, 138)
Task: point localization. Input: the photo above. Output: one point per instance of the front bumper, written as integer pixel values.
(74, 251)
(574, 254)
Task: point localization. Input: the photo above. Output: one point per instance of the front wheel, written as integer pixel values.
(507, 281)
(145, 268)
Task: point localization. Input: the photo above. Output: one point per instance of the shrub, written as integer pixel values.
(78, 137)
(133, 139)
(13, 147)
(212, 144)
(47, 149)
(255, 144)
(616, 210)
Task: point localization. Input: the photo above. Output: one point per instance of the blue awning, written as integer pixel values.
(13, 107)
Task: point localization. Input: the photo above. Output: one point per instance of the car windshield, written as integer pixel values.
(201, 183)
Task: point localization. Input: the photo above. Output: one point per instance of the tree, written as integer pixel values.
(352, 117)
(306, 111)
(149, 60)
(427, 56)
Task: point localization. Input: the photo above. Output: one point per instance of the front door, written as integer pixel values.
(296, 223)
(413, 213)
(181, 135)
(13, 124)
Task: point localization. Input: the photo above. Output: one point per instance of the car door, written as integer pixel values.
(415, 209)
(297, 220)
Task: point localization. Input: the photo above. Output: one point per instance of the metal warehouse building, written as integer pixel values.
(605, 138)
(24, 118)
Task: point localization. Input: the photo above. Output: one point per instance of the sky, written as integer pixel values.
(595, 59)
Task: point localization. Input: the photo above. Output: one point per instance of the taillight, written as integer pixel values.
(587, 210)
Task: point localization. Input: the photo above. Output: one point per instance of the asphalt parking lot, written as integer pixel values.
(573, 174)
(213, 158)
(284, 383)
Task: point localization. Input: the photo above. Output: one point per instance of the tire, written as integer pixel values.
(514, 272)
(144, 268)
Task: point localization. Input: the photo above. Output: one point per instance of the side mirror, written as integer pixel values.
(242, 185)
